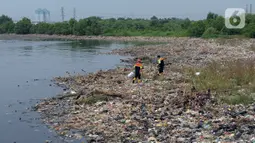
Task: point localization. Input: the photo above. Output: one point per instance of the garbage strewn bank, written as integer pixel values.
(106, 106)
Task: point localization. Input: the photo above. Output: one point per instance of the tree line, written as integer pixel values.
(212, 26)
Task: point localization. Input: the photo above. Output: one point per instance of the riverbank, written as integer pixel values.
(109, 38)
(107, 107)
(74, 37)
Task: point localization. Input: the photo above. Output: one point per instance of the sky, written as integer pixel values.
(192, 9)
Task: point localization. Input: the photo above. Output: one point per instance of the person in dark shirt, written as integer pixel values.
(138, 69)
(161, 65)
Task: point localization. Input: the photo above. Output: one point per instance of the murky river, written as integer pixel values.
(26, 70)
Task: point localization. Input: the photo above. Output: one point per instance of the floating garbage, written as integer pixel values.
(107, 107)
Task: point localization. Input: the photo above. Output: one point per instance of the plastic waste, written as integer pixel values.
(162, 115)
(206, 126)
(152, 140)
(131, 75)
(253, 140)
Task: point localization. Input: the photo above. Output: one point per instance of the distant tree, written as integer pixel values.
(185, 23)
(62, 28)
(112, 20)
(121, 18)
(172, 26)
(79, 29)
(219, 23)
(7, 27)
(50, 30)
(211, 15)
(4, 19)
(213, 25)
(23, 26)
(154, 18)
(139, 25)
(72, 24)
(249, 30)
(6, 24)
(197, 29)
(227, 31)
(94, 26)
(249, 18)
(154, 21)
(42, 28)
(210, 33)
(33, 29)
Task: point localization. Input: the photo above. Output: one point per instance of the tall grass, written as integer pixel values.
(233, 81)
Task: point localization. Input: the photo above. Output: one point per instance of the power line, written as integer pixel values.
(62, 14)
(250, 8)
(74, 13)
(246, 9)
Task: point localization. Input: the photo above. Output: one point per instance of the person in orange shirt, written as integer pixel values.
(138, 69)
(161, 65)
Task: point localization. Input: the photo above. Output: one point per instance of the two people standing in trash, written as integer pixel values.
(139, 66)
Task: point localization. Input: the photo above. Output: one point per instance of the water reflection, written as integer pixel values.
(87, 43)
(90, 46)
(24, 61)
(26, 50)
(91, 43)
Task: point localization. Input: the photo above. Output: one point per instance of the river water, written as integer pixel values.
(26, 70)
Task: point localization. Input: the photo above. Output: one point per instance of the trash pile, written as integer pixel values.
(193, 51)
(106, 106)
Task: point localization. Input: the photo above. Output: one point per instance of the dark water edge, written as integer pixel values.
(27, 70)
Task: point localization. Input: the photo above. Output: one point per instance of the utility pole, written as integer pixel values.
(62, 14)
(44, 15)
(251, 8)
(49, 16)
(246, 8)
(74, 13)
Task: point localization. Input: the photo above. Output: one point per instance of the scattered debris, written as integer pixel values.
(108, 107)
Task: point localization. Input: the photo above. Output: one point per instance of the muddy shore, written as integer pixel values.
(106, 107)
(73, 37)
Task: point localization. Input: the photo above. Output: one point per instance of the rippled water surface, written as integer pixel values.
(26, 68)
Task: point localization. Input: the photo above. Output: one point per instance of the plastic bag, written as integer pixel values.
(131, 75)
